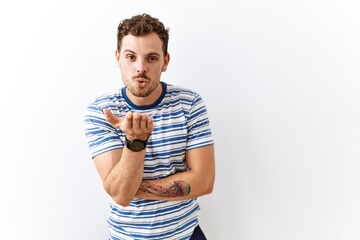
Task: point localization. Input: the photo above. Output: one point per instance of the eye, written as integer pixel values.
(130, 57)
(152, 59)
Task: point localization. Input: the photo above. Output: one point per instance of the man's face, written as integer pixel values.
(142, 61)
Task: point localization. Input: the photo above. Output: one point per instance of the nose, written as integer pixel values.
(141, 66)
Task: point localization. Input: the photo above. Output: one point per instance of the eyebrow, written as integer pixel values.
(127, 50)
(149, 54)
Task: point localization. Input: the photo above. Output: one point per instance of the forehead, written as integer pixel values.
(150, 43)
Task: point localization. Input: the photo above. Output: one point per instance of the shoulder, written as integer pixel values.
(112, 100)
(108, 99)
(185, 95)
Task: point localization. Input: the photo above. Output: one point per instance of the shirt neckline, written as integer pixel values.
(144, 107)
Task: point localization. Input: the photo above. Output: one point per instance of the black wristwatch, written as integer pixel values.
(135, 145)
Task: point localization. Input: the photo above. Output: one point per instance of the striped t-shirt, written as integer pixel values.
(181, 124)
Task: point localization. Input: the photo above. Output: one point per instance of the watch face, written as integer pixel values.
(136, 145)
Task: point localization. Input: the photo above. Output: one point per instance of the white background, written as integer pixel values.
(281, 83)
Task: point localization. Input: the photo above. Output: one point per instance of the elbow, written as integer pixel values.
(116, 196)
(121, 201)
(209, 186)
(206, 189)
(205, 185)
(209, 189)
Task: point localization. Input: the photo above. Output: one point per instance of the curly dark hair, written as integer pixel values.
(142, 25)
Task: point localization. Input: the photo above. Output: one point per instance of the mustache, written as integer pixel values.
(142, 75)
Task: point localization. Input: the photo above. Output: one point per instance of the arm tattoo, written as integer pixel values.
(177, 189)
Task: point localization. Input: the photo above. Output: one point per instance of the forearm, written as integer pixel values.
(121, 170)
(197, 181)
(180, 186)
(125, 177)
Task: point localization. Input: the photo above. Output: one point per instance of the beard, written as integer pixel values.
(142, 91)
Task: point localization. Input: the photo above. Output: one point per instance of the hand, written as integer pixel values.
(134, 125)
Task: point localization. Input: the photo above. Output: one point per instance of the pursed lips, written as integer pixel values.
(141, 79)
(141, 82)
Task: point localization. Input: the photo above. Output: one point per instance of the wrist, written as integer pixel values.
(135, 145)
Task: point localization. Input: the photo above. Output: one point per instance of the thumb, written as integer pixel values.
(114, 121)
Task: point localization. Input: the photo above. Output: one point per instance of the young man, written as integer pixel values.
(150, 141)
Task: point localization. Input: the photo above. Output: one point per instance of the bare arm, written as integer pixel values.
(121, 170)
(197, 181)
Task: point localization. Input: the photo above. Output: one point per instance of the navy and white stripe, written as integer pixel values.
(181, 124)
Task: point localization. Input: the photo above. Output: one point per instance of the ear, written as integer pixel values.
(166, 62)
(117, 57)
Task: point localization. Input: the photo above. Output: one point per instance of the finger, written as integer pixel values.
(136, 121)
(127, 123)
(150, 124)
(143, 121)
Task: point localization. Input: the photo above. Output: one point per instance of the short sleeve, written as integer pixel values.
(100, 134)
(199, 132)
